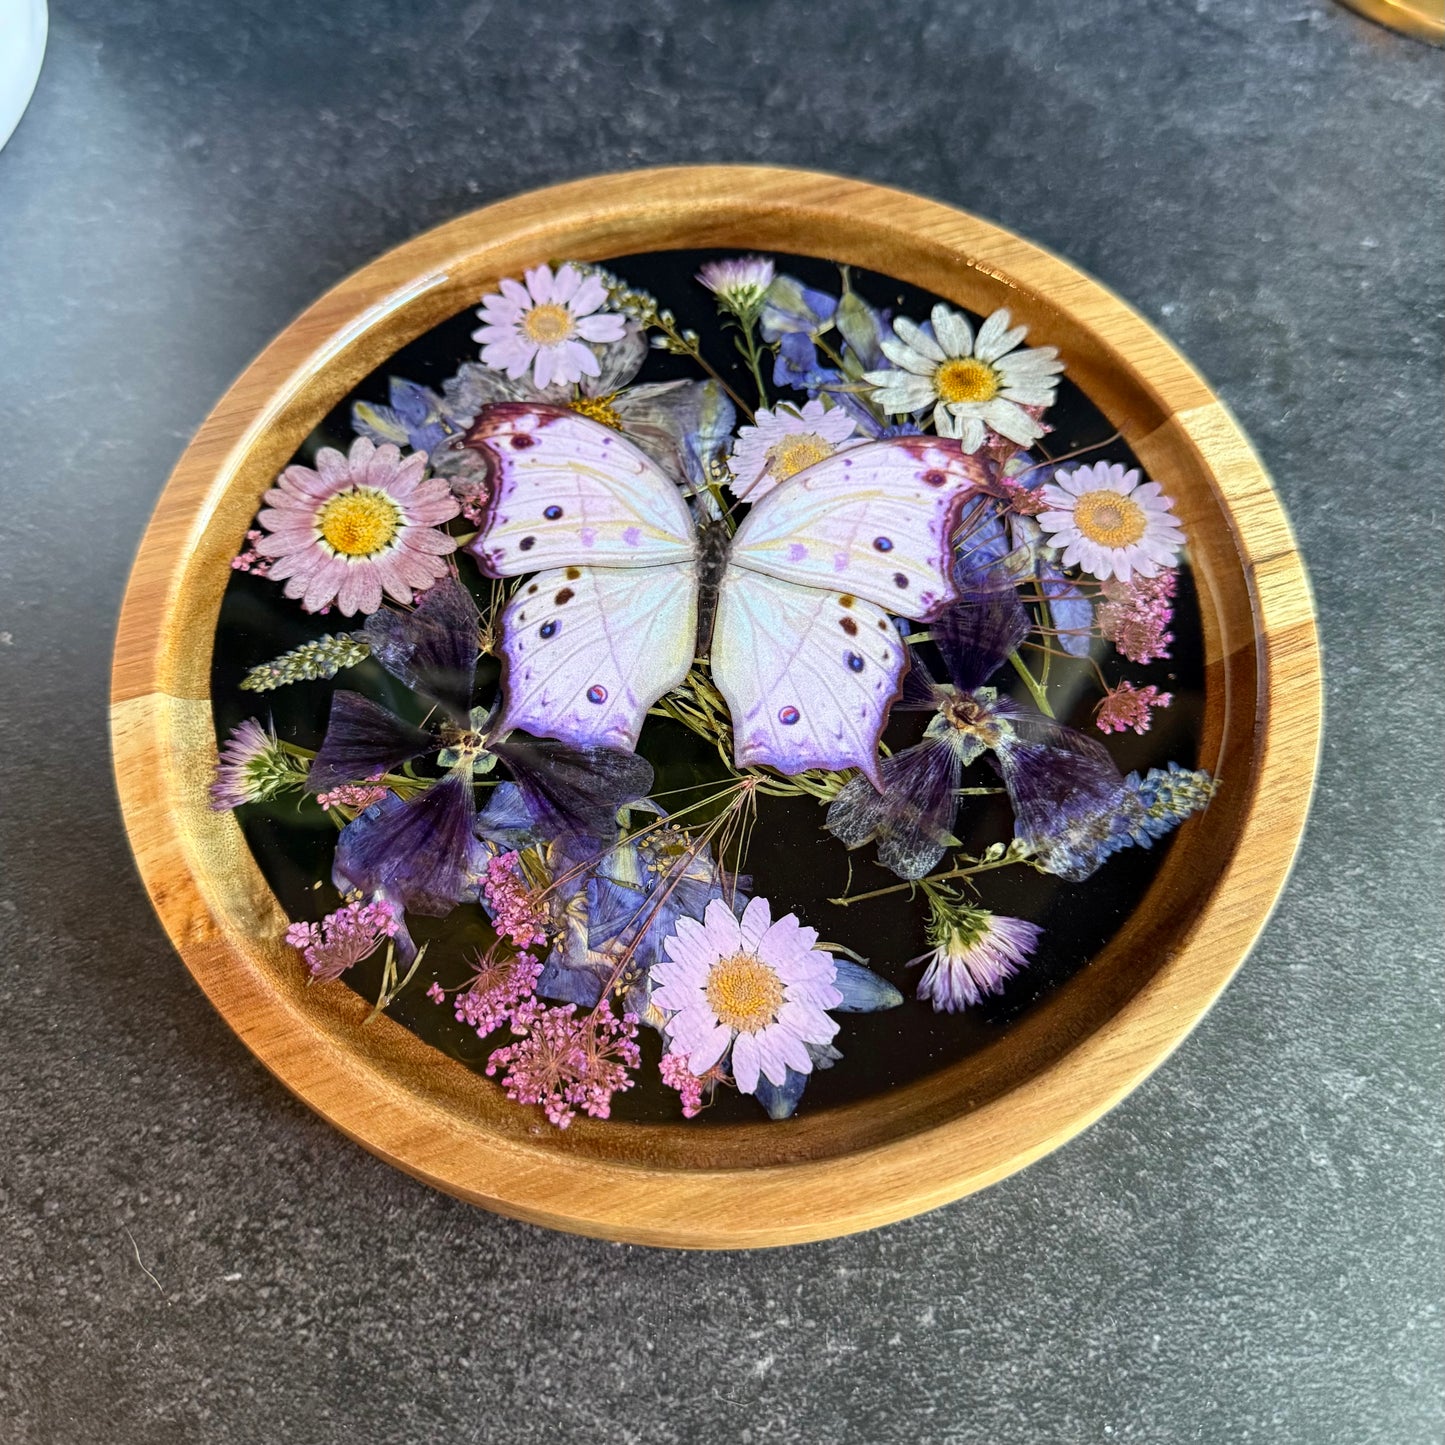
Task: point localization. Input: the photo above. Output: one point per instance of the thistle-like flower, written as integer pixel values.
(740, 285)
(254, 766)
(974, 952)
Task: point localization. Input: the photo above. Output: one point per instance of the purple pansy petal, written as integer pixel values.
(433, 649)
(912, 818)
(363, 739)
(571, 790)
(419, 852)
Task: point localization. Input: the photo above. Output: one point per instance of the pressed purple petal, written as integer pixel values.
(912, 818)
(1059, 782)
(362, 739)
(978, 632)
(573, 790)
(433, 649)
(420, 852)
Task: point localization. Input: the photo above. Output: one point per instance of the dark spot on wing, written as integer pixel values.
(522, 441)
(527, 543)
(549, 629)
(899, 580)
(564, 596)
(848, 626)
(573, 573)
(847, 600)
(935, 479)
(552, 513)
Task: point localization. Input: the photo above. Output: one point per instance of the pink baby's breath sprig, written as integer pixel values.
(566, 1063)
(248, 559)
(1127, 706)
(352, 795)
(503, 990)
(515, 911)
(354, 932)
(1135, 615)
(693, 1089)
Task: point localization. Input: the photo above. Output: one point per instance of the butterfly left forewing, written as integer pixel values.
(568, 491)
(873, 521)
(808, 675)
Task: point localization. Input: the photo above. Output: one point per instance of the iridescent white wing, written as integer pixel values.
(874, 521)
(587, 650)
(808, 675)
(567, 491)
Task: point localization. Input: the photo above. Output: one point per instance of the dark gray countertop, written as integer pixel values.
(1248, 1249)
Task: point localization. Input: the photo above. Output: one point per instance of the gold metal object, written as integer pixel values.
(1419, 19)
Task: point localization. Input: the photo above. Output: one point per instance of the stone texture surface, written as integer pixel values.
(1247, 1250)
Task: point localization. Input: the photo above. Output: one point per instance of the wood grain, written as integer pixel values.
(829, 1173)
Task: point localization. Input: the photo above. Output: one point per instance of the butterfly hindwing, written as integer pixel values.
(808, 675)
(589, 649)
(568, 491)
(872, 521)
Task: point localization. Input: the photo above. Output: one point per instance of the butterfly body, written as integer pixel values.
(792, 610)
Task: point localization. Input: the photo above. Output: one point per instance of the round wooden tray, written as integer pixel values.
(906, 1150)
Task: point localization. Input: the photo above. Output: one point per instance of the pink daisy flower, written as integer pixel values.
(545, 326)
(357, 526)
(1109, 523)
(784, 442)
(750, 985)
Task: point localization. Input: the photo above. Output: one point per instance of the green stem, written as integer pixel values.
(923, 883)
(750, 352)
(1040, 697)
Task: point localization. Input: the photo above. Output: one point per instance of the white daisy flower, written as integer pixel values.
(784, 442)
(974, 384)
(544, 326)
(1109, 523)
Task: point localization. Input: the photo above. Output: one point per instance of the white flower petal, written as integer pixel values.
(917, 339)
(954, 333)
(746, 1064)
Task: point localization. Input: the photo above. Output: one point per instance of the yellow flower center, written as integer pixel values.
(359, 522)
(547, 323)
(598, 408)
(966, 378)
(744, 993)
(791, 455)
(1110, 518)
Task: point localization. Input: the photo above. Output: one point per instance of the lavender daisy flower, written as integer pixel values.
(545, 326)
(748, 987)
(1109, 523)
(357, 527)
(974, 953)
(254, 766)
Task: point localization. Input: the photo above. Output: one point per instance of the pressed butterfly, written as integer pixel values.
(792, 611)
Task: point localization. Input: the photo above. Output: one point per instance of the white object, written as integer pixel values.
(23, 25)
